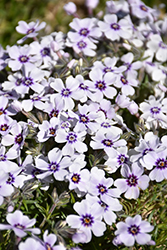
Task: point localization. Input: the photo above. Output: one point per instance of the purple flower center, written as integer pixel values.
(10, 179)
(18, 82)
(54, 113)
(103, 205)
(52, 131)
(2, 157)
(155, 110)
(83, 119)
(71, 138)
(132, 180)
(145, 151)
(87, 220)
(162, 45)
(19, 139)
(30, 31)
(123, 80)
(45, 52)
(76, 178)
(81, 45)
(133, 229)
(84, 32)
(65, 124)
(23, 59)
(102, 189)
(115, 26)
(28, 81)
(35, 172)
(101, 85)
(54, 166)
(48, 246)
(105, 125)
(107, 142)
(19, 226)
(144, 8)
(122, 159)
(65, 92)
(161, 163)
(107, 69)
(4, 127)
(82, 86)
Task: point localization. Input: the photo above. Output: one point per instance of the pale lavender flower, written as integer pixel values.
(31, 243)
(100, 84)
(73, 141)
(29, 29)
(157, 46)
(88, 220)
(5, 189)
(126, 84)
(5, 159)
(142, 11)
(70, 8)
(67, 92)
(134, 229)
(91, 3)
(114, 29)
(48, 129)
(19, 57)
(85, 28)
(132, 182)
(36, 101)
(153, 112)
(108, 141)
(6, 124)
(54, 164)
(132, 67)
(19, 223)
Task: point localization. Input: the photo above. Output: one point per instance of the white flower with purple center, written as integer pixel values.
(84, 28)
(14, 82)
(55, 164)
(142, 11)
(114, 29)
(158, 162)
(107, 141)
(6, 123)
(126, 84)
(100, 84)
(132, 182)
(16, 136)
(48, 129)
(78, 178)
(153, 112)
(19, 57)
(116, 161)
(29, 29)
(36, 101)
(31, 243)
(19, 223)
(132, 67)
(54, 107)
(85, 46)
(73, 141)
(67, 92)
(157, 46)
(5, 159)
(109, 65)
(101, 187)
(5, 189)
(134, 229)
(88, 220)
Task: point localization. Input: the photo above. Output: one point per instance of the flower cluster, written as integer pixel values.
(67, 111)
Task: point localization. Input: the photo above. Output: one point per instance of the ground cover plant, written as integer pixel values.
(83, 119)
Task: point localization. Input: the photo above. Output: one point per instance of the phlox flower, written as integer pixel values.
(132, 67)
(29, 29)
(19, 223)
(5, 189)
(100, 84)
(83, 28)
(19, 57)
(5, 107)
(157, 46)
(85, 46)
(132, 182)
(5, 159)
(115, 161)
(88, 220)
(67, 92)
(48, 129)
(114, 29)
(109, 141)
(70, 8)
(134, 229)
(54, 164)
(73, 141)
(126, 84)
(31, 243)
(54, 107)
(16, 135)
(6, 123)
(153, 112)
